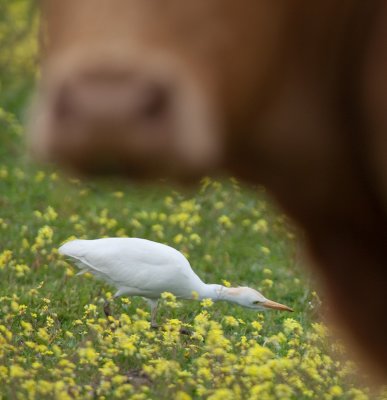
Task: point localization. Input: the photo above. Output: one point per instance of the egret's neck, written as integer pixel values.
(215, 292)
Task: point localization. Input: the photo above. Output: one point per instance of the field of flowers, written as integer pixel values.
(55, 342)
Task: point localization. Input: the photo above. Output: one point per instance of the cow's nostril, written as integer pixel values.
(155, 103)
(63, 108)
(99, 97)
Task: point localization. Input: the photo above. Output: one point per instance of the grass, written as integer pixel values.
(56, 343)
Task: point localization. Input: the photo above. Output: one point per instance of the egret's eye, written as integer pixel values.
(257, 302)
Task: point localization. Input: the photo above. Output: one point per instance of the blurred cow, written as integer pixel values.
(289, 94)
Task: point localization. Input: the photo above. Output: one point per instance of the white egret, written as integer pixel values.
(140, 267)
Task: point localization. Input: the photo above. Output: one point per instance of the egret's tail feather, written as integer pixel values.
(73, 248)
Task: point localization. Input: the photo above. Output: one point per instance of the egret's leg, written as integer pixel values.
(153, 306)
(106, 309)
(185, 331)
(106, 305)
(153, 315)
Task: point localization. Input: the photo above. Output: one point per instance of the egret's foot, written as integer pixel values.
(182, 331)
(185, 331)
(138, 377)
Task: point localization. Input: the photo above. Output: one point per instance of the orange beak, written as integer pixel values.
(276, 306)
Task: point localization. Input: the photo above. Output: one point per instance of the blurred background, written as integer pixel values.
(18, 53)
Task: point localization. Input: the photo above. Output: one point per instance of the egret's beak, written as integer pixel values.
(276, 306)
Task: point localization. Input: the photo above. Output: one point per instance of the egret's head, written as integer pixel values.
(251, 298)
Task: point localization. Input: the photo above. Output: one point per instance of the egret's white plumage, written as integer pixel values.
(140, 267)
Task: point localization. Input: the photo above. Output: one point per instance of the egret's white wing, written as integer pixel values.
(135, 263)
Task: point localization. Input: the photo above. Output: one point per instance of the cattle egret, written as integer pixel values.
(140, 267)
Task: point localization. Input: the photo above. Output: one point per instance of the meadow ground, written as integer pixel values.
(55, 342)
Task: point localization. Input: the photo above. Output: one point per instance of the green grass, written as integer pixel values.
(55, 345)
